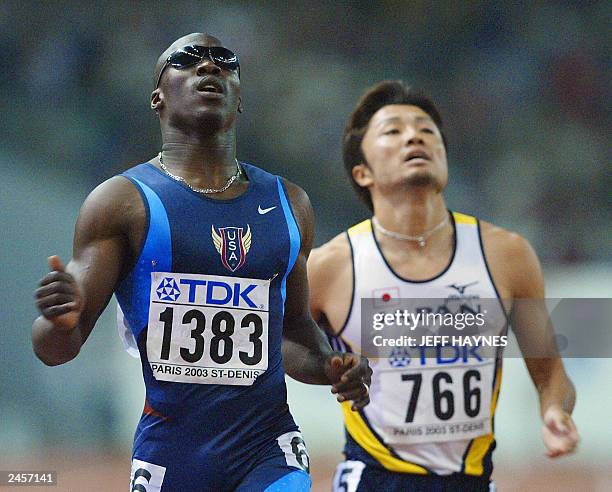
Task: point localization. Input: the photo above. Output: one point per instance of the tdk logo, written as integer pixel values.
(448, 355)
(399, 357)
(219, 293)
(167, 290)
(435, 356)
(210, 290)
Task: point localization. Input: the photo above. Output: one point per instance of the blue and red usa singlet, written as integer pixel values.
(204, 307)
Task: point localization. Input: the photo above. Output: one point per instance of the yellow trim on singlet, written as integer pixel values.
(363, 436)
(361, 228)
(480, 446)
(464, 219)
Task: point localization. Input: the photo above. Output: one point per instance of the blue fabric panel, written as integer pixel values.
(297, 481)
(294, 237)
(156, 255)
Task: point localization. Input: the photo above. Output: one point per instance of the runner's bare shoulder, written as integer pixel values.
(511, 259)
(113, 206)
(330, 261)
(113, 210)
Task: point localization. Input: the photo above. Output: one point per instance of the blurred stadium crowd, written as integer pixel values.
(523, 89)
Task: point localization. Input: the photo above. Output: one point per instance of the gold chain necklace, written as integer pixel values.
(201, 190)
(405, 237)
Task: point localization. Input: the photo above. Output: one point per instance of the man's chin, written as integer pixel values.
(214, 117)
(422, 179)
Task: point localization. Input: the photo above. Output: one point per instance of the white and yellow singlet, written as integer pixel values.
(427, 414)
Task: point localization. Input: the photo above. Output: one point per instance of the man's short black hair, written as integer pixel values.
(382, 94)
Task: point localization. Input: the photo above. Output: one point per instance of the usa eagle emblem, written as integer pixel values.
(233, 244)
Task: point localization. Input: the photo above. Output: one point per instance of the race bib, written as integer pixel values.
(439, 399)
(208, 329)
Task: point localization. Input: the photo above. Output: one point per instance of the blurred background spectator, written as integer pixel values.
(523, 88)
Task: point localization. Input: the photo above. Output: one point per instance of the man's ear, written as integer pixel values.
(240, 108)
(362, 174)
(157, 100)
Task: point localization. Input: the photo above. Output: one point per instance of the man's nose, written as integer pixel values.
(412, 137)
(207, 66)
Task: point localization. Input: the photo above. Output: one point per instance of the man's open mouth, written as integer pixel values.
(417, 154)
(208, 85)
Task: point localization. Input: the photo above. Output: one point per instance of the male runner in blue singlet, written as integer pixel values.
(207, 257)
(429, 426)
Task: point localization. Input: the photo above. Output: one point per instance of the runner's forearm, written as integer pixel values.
(305, 350)
(552, 383)
(561, 392)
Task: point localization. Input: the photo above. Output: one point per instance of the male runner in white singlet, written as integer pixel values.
(430, 422)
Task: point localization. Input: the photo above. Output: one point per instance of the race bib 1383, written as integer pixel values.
(208, 329)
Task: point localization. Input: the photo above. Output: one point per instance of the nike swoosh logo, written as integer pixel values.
(263, 211)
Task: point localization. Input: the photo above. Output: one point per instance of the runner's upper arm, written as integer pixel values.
(329, 277)
(318, 274)
(531, 320)
(101, 247)
(304, 215)
(296, 303)
(529, 316)
(322, 266)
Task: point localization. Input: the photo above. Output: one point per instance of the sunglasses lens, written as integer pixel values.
(224, 57)
(190, 55)
(185, 58)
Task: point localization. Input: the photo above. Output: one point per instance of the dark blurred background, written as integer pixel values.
(523, 89)
(524, 92)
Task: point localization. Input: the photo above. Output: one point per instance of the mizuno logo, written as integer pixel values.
(263, 211)
(461, 288)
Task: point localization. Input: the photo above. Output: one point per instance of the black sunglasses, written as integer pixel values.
(193, 54)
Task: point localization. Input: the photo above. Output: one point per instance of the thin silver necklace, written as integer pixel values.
(422, 239)
(201, 190)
